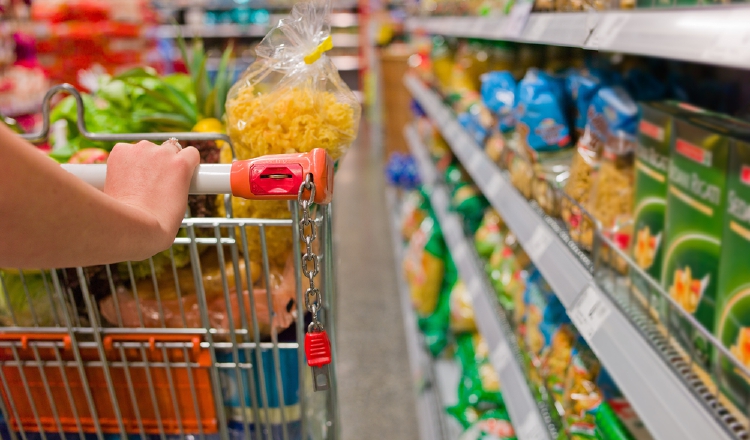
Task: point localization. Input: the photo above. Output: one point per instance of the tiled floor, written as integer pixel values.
(376, 392)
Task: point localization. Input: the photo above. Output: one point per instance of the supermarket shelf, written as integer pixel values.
(712, 35)
(232, 4)
(522, 408)
(668, 407)
(169, 31)
(436, 380)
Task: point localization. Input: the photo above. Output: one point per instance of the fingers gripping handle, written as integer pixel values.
(273, 177)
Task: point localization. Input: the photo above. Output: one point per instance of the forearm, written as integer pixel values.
(89, 226)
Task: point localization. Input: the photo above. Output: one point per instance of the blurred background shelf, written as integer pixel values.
(650, 377)
(717, 35)
(436, 380)
(490, 320)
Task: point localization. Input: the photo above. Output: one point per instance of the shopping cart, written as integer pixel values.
(210, 345)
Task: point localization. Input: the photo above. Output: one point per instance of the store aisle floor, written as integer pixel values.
(376, 391)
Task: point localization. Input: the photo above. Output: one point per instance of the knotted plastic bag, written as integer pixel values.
(291, 99)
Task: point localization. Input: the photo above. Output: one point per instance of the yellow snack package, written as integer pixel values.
(424, 266)
(290, 100)
(462, 310)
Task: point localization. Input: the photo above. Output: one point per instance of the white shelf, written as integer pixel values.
(436, 380)
(522, 407)
(233, 4)
(234, 30)
(714, 35)
(667, 406)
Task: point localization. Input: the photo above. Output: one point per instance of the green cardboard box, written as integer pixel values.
(655, 132)
(733, 297)
(696, 203)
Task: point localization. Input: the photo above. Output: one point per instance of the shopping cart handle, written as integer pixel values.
(272, 177)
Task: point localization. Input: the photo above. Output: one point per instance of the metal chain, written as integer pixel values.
(308, 230)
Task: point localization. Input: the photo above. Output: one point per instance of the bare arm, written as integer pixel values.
(49, 218)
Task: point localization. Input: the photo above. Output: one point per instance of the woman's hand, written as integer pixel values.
(155, 179)
(50, 218)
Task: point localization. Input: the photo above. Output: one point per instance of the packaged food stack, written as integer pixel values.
(108, 36)
(696, 213)
(480, 409)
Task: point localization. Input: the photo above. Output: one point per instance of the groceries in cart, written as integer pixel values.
(199, 338)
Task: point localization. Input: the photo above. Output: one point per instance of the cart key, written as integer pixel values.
(318, 352)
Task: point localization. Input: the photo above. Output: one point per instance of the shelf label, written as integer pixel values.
(537, 25)
(732, 45)
(475, 288)
(606, 30)
(488, 26)
(500, 356)
(517, 19)
(496, 185)
(475, 160)
(538, 243)
(462, 251)
(589, 312)
(532, 428)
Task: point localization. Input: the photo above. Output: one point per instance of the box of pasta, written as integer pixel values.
(696, 203)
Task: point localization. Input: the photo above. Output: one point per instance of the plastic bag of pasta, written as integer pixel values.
(291, 99)
(611, 196)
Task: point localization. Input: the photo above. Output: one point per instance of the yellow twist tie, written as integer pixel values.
(325, 46)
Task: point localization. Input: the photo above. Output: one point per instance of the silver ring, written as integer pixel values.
(175, 142)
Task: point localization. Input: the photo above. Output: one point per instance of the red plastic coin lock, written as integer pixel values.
(279, 176)
(317, 349)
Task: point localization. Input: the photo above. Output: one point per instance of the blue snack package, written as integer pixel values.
(582, 88)
(540, 112)
(472, 126)
(499, 95)
(544, 313)
(613, 120)
(401, 170)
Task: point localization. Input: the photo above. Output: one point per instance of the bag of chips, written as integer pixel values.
(424, 266)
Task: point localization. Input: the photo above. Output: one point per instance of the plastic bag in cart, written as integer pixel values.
(291, 99)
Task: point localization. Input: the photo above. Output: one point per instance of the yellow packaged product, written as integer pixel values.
(611, 199)
(290, 100)
(462, 311)
(424, 266)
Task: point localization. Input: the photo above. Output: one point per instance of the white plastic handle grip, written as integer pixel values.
(207, 178)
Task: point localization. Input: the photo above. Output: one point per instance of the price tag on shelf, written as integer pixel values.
(488, 26)
(475, 160)
(475, 288)
(531, 428)
(589, 312)
(539, 242)
(496, 185)
(536, 27)
(449, 131)
(500, 356)
(517, 19)
(462, 252)
(732, 45)
(606, 30)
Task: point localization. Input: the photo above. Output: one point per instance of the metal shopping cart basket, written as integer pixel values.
(200, 341)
